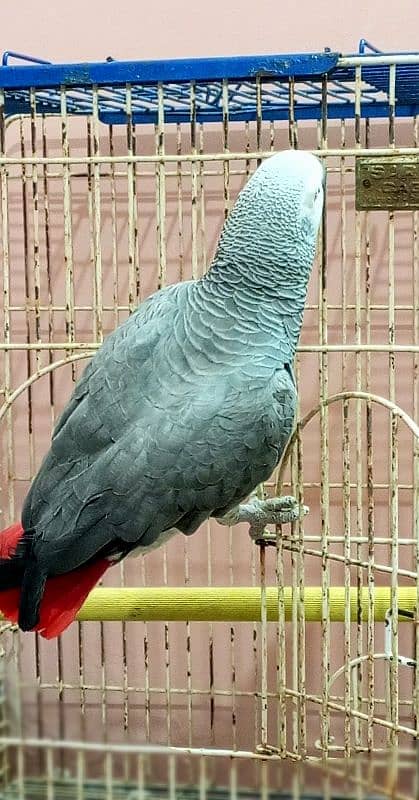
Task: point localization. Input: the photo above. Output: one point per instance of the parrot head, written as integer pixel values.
(270, 237)
(296, 179)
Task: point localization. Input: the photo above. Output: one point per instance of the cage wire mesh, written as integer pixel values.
(268, 655)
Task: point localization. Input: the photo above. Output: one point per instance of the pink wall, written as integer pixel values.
(91, 31)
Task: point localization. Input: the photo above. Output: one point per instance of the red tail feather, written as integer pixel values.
(64, 595)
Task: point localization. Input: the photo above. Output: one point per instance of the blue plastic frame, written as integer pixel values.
(274, 71)
(118, 73)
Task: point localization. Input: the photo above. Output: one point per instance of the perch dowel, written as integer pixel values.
(232, 604)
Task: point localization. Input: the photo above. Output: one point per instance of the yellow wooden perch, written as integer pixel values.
(237, 604)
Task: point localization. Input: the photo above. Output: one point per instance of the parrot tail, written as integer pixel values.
(46, 605)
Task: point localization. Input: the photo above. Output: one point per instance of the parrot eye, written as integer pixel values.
(311, 199)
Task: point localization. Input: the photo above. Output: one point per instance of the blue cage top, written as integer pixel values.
(255, 84)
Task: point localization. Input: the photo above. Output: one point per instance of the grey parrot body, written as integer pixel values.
(164, 429)
(188, 405)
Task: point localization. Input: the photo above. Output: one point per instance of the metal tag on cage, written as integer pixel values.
(385, 183)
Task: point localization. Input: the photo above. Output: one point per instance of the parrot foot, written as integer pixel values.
(259, 513)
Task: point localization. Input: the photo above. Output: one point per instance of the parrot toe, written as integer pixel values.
(260, 513)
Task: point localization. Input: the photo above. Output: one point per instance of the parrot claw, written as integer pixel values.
(260, 513)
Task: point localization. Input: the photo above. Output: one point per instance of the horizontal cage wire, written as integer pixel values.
(213, 665)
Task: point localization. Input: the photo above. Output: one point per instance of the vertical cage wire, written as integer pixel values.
(4, 766)
(28, 289)
(7, 332)
(346, 494)
(394, 550)
(299, 744)
(324, 445)
(160, 190)
(35, 265)
(162, 278)
(415, 310)
(264, 708)
(358, 411)
(97, 225)
(194, 183)
(370, 480)
(133, 233)
(300, 723)
(67, 225)
(393, 478)
(48, 277)
(280, 652)
(254, 554)
(346, 476)
(180, 198)
(232, 631)
(202, 226)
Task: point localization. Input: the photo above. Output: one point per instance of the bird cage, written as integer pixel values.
(215, 667)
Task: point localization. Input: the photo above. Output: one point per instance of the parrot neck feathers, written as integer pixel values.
(245, 322)
(262, 265)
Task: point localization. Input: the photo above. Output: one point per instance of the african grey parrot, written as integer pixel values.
(185, 408)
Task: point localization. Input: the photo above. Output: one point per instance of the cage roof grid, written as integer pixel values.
(255, 85)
